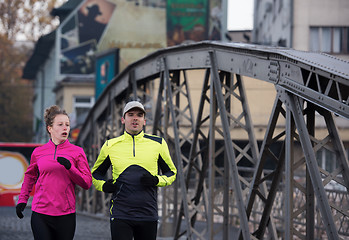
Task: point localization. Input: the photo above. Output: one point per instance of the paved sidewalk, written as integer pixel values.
(87, 227)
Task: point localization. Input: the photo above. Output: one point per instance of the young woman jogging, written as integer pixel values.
(55, 169)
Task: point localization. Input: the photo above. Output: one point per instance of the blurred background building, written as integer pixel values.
(96, 40)
(319, 26)
(307, 25)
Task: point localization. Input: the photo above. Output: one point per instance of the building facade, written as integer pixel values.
(307, 25)
(89, 28)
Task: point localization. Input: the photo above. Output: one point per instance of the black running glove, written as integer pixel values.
(19, 209)
(149, 180)
(65, 162)
(109, 187)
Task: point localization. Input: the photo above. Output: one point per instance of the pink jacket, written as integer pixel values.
(54, 184)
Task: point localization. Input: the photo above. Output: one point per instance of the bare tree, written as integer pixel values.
(19, 19)
(28, 19)
(15, 95)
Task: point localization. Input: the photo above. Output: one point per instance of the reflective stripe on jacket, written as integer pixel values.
(130, 156)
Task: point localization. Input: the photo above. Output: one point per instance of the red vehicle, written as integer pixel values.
(14, 160)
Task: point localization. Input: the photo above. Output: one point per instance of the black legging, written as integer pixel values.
(47, 227)
(137, 230)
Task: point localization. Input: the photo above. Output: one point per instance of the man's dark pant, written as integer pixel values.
(137, 230)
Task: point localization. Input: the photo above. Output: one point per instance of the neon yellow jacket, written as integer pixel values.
(130, 156)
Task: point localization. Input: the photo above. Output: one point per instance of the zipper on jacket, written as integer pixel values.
(54, 156)
(134, 146)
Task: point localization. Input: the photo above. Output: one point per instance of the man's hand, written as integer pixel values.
(149, 180)
(19, 209)
(109, 186)
(65, 162)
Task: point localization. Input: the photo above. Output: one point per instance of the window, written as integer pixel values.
(81, 107)
(329, 39)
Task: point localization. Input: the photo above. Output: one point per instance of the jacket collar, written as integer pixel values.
(136, 136)
(59, 145)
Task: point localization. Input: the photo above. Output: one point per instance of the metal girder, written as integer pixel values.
(295, 106)
(223, 188)
(259, 180)
(233, 169)
(176, 139)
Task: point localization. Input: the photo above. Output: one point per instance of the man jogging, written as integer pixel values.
(135, 159)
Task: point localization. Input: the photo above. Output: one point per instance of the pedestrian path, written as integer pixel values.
(87, 227)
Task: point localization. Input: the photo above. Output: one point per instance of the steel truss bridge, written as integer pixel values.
(224, 189)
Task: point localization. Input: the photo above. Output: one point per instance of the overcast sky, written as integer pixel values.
(240, 15)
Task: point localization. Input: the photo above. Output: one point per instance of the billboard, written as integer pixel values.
(193, 21)
(107, 67)
(79, 59)
(14, 161)
(135, 27)
(80, 35)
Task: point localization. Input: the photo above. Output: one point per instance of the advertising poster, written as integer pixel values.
(80, 36)
(80, 59)
(107, 66)
(193, 21)
(137, 28)
(14, 161)
(186, 21)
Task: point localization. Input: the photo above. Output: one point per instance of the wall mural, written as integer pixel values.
(81, 34)
(136, 28)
